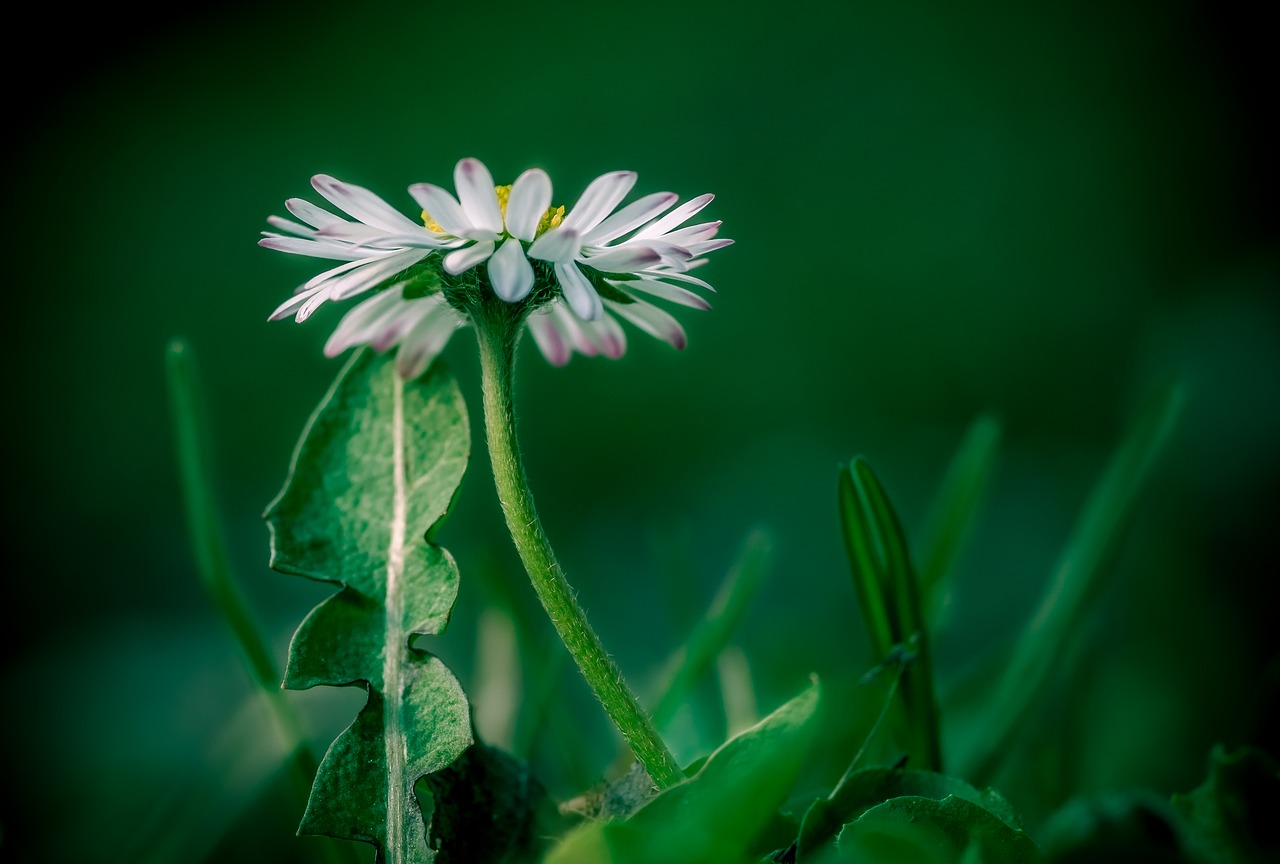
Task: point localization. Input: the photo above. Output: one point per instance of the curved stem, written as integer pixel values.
(497, 338)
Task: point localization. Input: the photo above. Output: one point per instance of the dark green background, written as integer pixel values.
(1044, 210)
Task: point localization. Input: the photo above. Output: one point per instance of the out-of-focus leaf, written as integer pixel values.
(1132, 826)
(712, 634)
(889, 598)
(873, 786)
(1234, 816)
(1043, 643)
(213, 563)
(924, 830)
(722, 813)
(954, 510)
(376, 469)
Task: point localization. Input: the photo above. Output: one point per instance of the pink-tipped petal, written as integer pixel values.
(674, 293)
(598, 200)
(316, 217)
(578, 293)
(549, 339)
(461, 260)
(635, 213)
(677, 216)
(477, 196)
(510, 272)
(653, 321)
(361, 203)
(530, 197)
(311, 248)
(558, 245)
(624, 259)
(442, 207)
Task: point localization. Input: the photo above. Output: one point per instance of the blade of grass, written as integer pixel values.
(908, 625)
(1077, 580)
(214, 567)
(954, 512)
(865, 561)
(713, 632)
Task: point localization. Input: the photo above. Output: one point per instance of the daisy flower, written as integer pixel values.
(582, 273)
(381, 244)
(480, 218)
(585, 251)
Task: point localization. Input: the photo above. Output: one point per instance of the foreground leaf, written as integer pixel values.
(720, 813)
(377, 468)
(871, 787)
(928, 831)
(1231, 817)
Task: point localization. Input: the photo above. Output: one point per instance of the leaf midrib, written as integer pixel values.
(392, 688)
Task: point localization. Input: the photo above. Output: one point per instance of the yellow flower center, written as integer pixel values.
(551, 219)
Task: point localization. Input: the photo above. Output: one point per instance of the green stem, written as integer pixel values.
(497, 335)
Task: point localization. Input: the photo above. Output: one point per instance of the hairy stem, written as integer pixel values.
(497, 335)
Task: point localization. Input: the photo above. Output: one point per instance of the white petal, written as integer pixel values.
(361, 203)
(653, 321)
(549, 339)
(579, 294)
(424, 343)
(674, 293)
(693, 233)
(682, 213)
(560, 244)
(635, 213)
(312, 248)
(367, 320)
(685, 277)
(316, 217)
(290, 306)
(477, 195)
(709, 246)
(374, 273)
(461, 260)
(442, 207)
(599, 199)
(510, 272)
(610, 337)
(530, 197)
(624, 259)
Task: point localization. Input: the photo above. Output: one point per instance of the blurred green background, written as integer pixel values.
(1041, 210)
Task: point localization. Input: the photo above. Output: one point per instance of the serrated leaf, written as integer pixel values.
(870, 787)
(374, 473)
(1042, 645)
(1231, 817)
(720, 813)
(889, 598)
(928, 831)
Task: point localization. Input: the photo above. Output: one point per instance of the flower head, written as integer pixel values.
(571, 278)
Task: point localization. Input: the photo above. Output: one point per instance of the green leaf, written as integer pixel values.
(889, 598)
(376, 470)
(722, 813)
(870, 787)
(1231, 817)
(1043, 643)
(924, 830)
(1131, 825)
(487, 808)
(954, 510)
